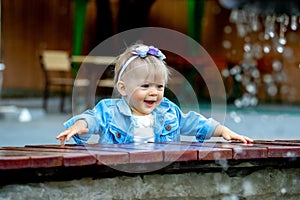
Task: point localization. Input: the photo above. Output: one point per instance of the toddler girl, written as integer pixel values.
(142, 113)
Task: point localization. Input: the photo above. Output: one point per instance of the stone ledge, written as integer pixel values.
(267, 184)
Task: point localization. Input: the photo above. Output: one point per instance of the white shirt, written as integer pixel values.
(143, 128)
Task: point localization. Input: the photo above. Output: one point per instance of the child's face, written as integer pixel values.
(143, 92)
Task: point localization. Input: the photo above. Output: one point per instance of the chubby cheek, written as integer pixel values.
(160, 96)
(136, 97)
(132, 92)
(140, 95)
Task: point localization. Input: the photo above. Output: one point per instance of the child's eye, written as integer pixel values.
(160, 87)
(145, 86)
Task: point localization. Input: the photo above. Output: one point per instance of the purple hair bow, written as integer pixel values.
(142, 52)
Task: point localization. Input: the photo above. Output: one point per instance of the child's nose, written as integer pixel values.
(153, 91)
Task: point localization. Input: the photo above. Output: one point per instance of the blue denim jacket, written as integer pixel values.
(112, 120)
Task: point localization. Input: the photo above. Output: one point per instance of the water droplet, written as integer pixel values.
(217, 155)
(238, 149)
(255, 73)
(280, 49)
(224, 188)
(223, 163)
(290, 154)
(234, 16)
(227, 29)
(248, 188)
(271, 34)
(235, 70)
(277, 65)
(266, 36)
(283, 191)
(253, 101)
(238, 103)
(267, 49)
(246, 99)
(236, 118)
(268, 78)
(272, 90)
(226, 44)
(247, 47)
(225, 73)
(282, 40)
(25, 115)
(294, 24)
(238, 77)
(251, 88)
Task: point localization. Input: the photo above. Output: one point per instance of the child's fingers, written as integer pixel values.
(75, 131)
(62, 134)
(67, 134)
(70, 133)
(227, 137)
(78, 128)
(248, 139)
(62, 142)
(234, 136)
(244, 139)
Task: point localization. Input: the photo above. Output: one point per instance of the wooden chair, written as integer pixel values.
(56, 66)
(105, 84)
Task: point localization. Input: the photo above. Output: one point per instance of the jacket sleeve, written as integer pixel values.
(195, 124)
(93, 119)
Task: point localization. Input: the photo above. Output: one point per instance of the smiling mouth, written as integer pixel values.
(149, 103)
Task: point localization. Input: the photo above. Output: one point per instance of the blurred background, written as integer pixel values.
(254, 44)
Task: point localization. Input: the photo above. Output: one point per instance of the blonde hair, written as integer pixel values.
(152, 63)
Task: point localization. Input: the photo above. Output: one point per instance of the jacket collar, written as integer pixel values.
(123, 107)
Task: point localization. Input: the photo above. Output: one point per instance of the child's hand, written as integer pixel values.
(227, 134)
(79, 127)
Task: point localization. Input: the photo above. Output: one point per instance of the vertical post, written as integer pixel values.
(0, 31)
(195, 15)
(2, 66)
(79, 26)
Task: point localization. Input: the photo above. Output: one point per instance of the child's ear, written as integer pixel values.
(121, 88)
